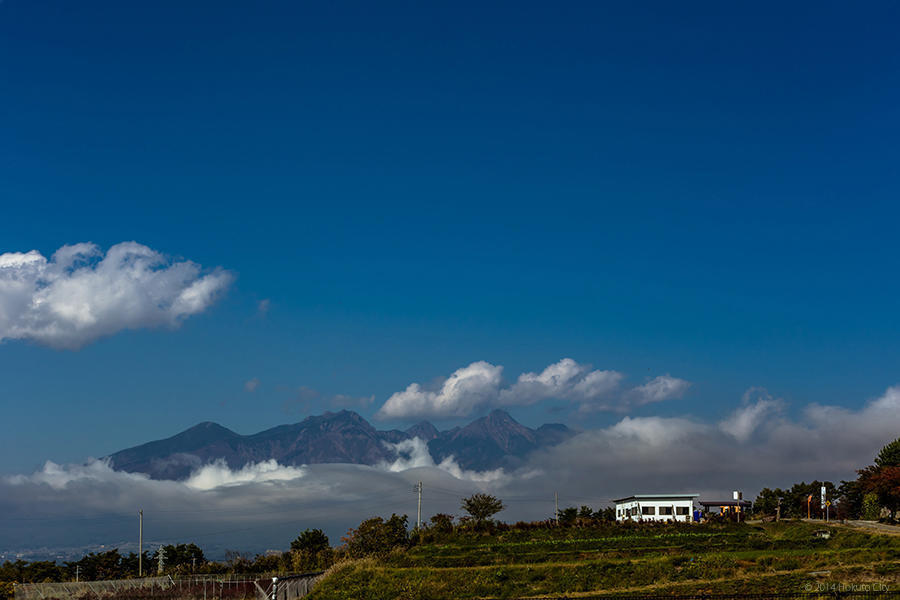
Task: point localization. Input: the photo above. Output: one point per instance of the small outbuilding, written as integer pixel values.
(656, 507)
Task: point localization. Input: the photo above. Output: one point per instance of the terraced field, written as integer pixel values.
(593, 562)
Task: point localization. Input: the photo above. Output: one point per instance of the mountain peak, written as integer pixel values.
(423, 430)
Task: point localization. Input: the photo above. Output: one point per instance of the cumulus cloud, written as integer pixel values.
(564, 380)
(480, 385)
(658, 389)
(81, 294)
(467, 390)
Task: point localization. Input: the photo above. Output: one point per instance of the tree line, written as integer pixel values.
(875, 491)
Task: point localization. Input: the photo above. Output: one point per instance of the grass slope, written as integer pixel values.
(592, 562)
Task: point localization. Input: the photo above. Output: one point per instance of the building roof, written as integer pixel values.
(638, 497)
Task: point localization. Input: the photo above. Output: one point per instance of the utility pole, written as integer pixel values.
(162, 558)
(778, 510)
(141, 543)
(556, 497)
(77, 572)
(419, 511)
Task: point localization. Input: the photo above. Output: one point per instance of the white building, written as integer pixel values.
(656, 507)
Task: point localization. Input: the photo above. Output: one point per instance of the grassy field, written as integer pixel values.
(592, 562)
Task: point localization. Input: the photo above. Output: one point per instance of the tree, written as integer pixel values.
(850, 500)
(481, 506)
(871, 509)
(889, 455)
(311, 540)
(376, 536)
(442, 523)
(311, 550)
(585, 512)
(884, 482)
(567, 516)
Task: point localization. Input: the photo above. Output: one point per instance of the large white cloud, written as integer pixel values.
(80, 294)
(467, 390)
(480, 385)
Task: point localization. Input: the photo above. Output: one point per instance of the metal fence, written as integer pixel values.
(200, 587)
(118, 588)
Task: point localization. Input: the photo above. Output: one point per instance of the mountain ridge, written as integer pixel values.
(490, 442)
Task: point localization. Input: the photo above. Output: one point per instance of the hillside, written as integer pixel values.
(595, 562)
(493, 441)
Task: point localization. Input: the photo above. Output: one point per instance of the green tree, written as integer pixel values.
(442, 523)
(481, 506)
(889, 455)
(567, 516)
(585, 512)
(871, 508)
(376, 536)
(311, 540)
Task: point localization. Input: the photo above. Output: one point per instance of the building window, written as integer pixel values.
(665, 510)
(627, 512)
(682, 510)
(648, 510)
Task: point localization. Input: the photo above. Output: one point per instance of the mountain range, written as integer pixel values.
(490, 442)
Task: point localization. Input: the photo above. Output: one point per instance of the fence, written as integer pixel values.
(201, 587)
(119, 588)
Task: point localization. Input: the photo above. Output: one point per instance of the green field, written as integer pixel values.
(591, 562)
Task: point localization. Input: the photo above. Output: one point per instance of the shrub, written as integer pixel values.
(376, 536)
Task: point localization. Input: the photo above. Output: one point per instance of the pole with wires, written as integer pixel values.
(556, 514)
(140, 543)
(418, 490)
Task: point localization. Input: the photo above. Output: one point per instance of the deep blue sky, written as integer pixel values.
(707, 190)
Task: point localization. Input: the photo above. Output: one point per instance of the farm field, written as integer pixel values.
(607, 560)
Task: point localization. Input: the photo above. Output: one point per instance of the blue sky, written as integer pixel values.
(706, 191)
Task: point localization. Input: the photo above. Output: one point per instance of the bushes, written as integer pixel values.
(376, 537)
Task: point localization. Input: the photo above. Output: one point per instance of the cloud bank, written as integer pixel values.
(265, 505)
(81, 294)
(480, 385)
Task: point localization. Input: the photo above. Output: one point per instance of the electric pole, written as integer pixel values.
(418, 489)
(141, 543)
(77, 572)
(778, 510)
(556, 496)
(162, 558)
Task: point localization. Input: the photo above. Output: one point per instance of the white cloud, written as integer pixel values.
(251, 385)
(658, 389)
(564, 380)
(80, 294)
(479, 386)
(217, 474)
(757, 407)
(414, 454)
(467, 390)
